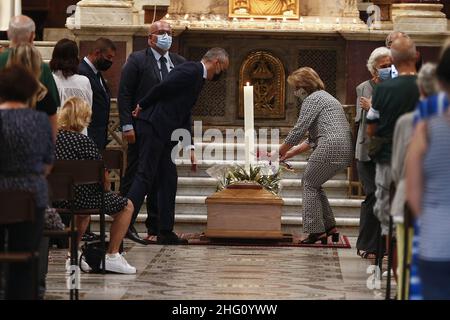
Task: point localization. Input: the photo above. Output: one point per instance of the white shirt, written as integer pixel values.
(158, 56)
(73, 86)
(90, 64)
(205, 72)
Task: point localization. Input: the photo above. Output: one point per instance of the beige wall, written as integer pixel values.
(308, 7)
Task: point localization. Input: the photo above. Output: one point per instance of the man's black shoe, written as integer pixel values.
(170, 238)
(134, 236)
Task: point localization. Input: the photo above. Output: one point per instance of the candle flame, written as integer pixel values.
(248, 84)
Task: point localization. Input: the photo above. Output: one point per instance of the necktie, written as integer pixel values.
(100, 79)
(164, 70)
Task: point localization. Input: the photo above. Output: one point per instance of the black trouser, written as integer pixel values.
(152, 206)
(99, 135)
(22, 237)
(369, 224)
(155, 168)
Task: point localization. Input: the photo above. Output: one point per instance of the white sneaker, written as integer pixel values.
(84, 264)
(117, 263)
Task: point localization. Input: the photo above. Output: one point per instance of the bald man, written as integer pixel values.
(22, 30)
(391, 100)
(143, 70)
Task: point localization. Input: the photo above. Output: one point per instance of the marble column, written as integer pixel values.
(9, 8)
(420, 17)
(104, 12)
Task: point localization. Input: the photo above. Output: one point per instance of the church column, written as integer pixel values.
(410, 16)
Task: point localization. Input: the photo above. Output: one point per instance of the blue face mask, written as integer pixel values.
(164, 42)
(385, 73)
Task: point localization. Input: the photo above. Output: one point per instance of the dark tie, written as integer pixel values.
(100, 79)
(164, 70)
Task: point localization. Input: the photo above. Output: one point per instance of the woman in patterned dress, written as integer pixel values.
(26, 153)
(331, 140)
(71, 144)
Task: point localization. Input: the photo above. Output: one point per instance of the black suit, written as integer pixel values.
(166, 107)
(139, 75)
(98, 128)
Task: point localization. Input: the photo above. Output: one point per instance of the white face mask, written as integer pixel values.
(301, 94)
(164, 42)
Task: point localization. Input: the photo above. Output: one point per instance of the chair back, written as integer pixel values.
(113, 160)
(16, 207)
(82, 171)
(60, 187)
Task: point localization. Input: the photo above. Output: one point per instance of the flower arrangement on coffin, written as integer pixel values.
(263, 173)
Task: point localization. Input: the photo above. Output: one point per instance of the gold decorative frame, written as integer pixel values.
(267, 75)
(236, 5)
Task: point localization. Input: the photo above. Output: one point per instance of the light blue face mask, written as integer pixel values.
(164, 42)
(385, 73)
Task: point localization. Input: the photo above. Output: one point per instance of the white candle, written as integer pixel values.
(249, 126)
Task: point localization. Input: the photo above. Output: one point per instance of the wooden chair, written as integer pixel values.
(19, 207)
(86, 172)
(114, 160)
(61, 189)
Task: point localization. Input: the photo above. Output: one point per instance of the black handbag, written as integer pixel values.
(92, 253)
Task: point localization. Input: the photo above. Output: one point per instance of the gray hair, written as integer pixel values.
(20, 29)
(393, 36)
(216, 53)
(427, 80)
(376, 55)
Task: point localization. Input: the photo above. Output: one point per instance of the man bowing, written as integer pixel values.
(166, 108)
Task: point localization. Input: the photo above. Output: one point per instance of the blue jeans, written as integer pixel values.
(435, 277)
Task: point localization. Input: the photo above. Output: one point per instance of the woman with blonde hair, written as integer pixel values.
(30, 58)
(73, 117)
(330, 138)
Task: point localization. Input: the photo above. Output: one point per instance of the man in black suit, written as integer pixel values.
(143, 70)
(166, 108)
(100, 59)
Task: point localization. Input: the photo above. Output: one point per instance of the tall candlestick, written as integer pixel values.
(249, 126)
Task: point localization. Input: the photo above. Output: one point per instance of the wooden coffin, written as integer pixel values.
(244, 211)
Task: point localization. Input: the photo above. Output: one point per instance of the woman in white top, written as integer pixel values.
(64, 65)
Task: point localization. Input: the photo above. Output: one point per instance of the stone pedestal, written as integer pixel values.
(419, 17)
(104, 12)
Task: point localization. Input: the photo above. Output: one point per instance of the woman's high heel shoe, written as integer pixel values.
(314, 237)
(334, 234)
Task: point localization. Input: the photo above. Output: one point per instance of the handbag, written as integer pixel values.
(92, 253)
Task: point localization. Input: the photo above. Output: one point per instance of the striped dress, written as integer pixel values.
(435, 218)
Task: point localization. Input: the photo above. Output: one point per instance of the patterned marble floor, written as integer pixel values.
(213, 272)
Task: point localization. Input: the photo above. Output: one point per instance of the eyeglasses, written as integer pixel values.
(161, 33)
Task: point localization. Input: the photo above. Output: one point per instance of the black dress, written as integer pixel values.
(76, 146)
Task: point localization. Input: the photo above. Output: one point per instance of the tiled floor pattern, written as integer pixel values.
(214, 272)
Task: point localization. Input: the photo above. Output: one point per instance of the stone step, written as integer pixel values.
(195, 205)
(184, 168)
(290, 188)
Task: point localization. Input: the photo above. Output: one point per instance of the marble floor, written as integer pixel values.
(214, 272)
